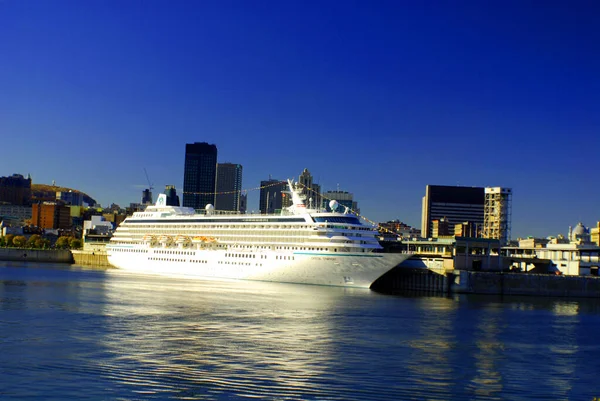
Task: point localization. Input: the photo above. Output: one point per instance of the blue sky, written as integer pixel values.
(380, 97)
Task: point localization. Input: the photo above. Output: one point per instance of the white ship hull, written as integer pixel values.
(296, 246)
(347, 270)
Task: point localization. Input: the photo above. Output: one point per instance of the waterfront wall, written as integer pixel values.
(469, 282)
(403, 279)
(409, 279)
(90, 258)
(36, 255)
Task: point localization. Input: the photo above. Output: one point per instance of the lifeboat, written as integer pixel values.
(165, 240)
(149, 239)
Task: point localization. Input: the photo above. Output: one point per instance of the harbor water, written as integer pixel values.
(69, 332)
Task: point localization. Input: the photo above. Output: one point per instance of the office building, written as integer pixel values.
(273, 196)
(51, 215)
(147, 197)
(466, 229)
(453, 203)
(440, 228)
(172, 197)
(70, 197)
(15, 190)
(14, 214)
(200, 174)
(310, 190)
(344, 199)
(229, 186)
(243, 203)
(497, 214)
(595, 234)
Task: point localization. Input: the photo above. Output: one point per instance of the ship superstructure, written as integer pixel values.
(299, 245)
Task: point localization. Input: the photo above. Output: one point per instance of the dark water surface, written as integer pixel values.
(80, 333)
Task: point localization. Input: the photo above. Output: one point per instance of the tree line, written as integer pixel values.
(36, 241)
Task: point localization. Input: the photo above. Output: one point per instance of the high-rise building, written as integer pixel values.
(15, 190)
(146, 197)
(172, 197)
(51, 215)
(344, 199)
(440, 228)
(311, 190)
(273, 196)
(229, 186)
(497, 214)
(200, 174)
(456, 204)
(243, 203)
(70, 197)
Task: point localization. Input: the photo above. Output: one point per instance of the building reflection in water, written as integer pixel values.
(488, 354)
(430, 361)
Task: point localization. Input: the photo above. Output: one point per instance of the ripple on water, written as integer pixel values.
(129, 337)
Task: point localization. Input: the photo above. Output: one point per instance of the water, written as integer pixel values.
(79, 333)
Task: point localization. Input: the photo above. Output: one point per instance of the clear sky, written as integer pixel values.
(380, 97)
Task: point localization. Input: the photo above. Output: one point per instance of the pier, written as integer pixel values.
(36, 255)
(90, 258)
(410, 277)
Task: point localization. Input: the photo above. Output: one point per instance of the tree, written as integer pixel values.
(43, 243)
(9, 239)
(19, 241)
(33, 241)
(75, 243)
(62, 242)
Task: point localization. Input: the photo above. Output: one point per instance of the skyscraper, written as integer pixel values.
(497, 214)
(273, 196)
(243, 202)
(146, 197)
(311, 190)
(172, 197)
(229, 186)
(456, 204)
(344, 199)
(199, 176)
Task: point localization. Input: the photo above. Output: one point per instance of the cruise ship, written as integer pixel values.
(300, 245)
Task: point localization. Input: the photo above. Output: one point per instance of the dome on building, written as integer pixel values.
(580, 229)
(580, 232)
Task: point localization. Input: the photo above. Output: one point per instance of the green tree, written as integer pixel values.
(75, 243)
(19, 241)
(32, 242)
(62, 242)
(9, 239)
(2, 241)
(42, 243)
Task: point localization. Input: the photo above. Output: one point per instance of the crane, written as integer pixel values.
(150, 185)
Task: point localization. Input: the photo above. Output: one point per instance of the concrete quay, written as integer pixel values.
(429, 281)
(90, 258)
(36, 255)
(504, 283)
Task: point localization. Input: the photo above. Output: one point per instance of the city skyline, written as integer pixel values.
(381, 99)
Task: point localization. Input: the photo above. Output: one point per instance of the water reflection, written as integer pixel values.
(223, 335)
(128, 336)
(488, 354)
